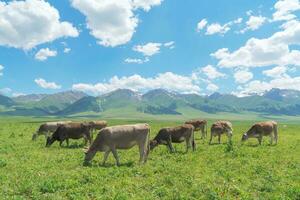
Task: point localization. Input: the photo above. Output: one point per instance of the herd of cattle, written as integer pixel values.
(109, 139)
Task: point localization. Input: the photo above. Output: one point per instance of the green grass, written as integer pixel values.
(28, 170)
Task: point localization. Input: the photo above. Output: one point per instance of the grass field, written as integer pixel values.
(28, 170)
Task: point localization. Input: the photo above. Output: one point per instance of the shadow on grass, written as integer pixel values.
(108, 165)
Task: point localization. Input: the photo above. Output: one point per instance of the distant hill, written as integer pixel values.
(154, 102)
(6, 101)
(29, 98)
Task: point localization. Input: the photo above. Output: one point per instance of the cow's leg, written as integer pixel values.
(60, 143)
(105, 157)
(271, 138)
(114, 151)
(67, 140)
(170, 146)
(211, 137)
(141, 150)
(259, 139)
(188, 144)
(203, 133)
(219, 138)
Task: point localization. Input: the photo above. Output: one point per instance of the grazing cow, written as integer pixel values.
(261, 129)
(98, 125)
(47, 128)
(176, 135)
(220, 127)
(70, 131)
(110, 139)
(199, 125)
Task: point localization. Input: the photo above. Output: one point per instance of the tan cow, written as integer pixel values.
(48, 128)
(261, 129)
(200, 125)
(177, 134)
(220, 127)
(110, 139)
(97, 125)
(70, 131)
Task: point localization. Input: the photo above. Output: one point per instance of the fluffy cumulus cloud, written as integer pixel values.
(43, 54)
(201, 25)
(112, 29)
(26, 24)
(148, 49)
(46, 85)
(274, 50)
(211, 72)
(217, 28)
(254, 23)
(168, 80)
(259, 87)
(276, 72)
(212, 87)
(285, 8)
(1, 70)
(243, 76)
(145, 4)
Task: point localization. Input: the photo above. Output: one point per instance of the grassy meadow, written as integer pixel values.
(28, 170)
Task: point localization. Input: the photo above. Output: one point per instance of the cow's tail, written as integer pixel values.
(205, 128)
(193, 139)
(275, 127)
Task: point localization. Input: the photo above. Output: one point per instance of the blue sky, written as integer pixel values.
(190, 46)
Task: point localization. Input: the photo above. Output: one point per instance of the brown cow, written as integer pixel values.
(199, 125)
(261, 129)
(70, 131)
(177, 134)
(112, 138)
(47, 128)
(220, 127)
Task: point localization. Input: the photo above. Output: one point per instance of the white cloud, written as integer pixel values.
(201, 25)
(254, 23)
(148, 49)
(136, 60)
(243, 76)
(265, 52)
(43, 54)
(276, 72)
(112, 22)
(212, 87)
(26, 24)
(284, 9)
(259, 87)
(67, 50)
(211, 72)
(47, 85)
(5, 91)
(1, 70)
(216, 28)
(170, 45)
(168, 80)
(146, 4)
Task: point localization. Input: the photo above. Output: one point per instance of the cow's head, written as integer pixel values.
(34, 136)
(89, 155)
(245, 137)
(153, 144)
(50, 141)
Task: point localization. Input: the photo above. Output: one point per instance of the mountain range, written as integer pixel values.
(154, 102)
